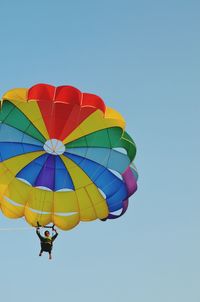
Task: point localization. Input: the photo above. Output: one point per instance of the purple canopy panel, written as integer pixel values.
(46, 178)
(130, 181)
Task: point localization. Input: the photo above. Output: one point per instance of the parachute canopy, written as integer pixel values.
(64, 157)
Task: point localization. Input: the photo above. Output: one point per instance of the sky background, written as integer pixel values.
(142, 58)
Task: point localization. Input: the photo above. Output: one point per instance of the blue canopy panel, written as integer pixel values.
(47, 171)
(8, 149)
(11, 134)
(62, 178)
(32, 170)
(106, 157)
(113, 187)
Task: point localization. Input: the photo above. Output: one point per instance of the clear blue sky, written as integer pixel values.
(142, 57)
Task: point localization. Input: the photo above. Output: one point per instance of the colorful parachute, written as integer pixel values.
(64, 157)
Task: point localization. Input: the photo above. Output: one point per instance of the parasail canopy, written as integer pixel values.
(65, 157)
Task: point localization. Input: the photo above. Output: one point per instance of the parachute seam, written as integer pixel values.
(21, 132)
(79, 210)
(30, 123)
(91, 202)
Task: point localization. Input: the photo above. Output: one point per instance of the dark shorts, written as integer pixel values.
(46, 247)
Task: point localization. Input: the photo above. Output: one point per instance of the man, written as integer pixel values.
(47, 241)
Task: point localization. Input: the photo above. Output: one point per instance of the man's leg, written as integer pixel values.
(41, 251)
(50, 257)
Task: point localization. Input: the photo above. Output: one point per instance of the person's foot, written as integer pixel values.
(40, 254)
(50, 257)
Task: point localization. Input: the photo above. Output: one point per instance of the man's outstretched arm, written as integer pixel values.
(55, 235)
(38, 233)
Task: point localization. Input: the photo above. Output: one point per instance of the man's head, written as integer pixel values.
(46, 233)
